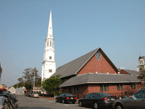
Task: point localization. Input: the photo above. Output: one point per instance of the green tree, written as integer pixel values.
(28, 85)
(21, 82)
(15, 85)
(38, 82)
(27, 79)
(51, 85)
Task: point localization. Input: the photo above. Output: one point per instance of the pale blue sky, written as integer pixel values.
(79, 26)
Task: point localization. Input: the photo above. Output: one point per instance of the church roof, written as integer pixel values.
(92, 78)
(73, 67)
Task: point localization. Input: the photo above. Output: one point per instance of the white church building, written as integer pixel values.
(49, 64)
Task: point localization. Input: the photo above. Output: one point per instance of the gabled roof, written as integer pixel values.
(73, 67)
(92, 78)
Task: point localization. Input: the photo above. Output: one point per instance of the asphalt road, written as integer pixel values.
(40, 103)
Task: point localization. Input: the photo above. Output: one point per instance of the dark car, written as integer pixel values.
(29, 94)
(10, 99)
(66, 98)
(5, 103)
(26, 94)
(96, 100)
(136, 101)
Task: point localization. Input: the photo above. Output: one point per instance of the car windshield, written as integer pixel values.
(69, 94)
(104, 94)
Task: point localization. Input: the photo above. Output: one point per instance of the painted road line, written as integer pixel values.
(66, 104)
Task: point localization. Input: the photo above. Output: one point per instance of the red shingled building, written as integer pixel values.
(95, 72)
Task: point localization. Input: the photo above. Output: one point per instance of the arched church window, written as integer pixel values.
(50, 44)
(47, 43)
(50, 57)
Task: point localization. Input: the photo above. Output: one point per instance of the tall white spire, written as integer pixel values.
(49, 64)
(50, 29)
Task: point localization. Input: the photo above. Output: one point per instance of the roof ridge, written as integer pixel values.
(72, 67)
(88, 59)
(78, 57)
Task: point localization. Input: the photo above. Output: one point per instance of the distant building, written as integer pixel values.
(141, 60)
(95, 72)
(12, 90)
(20, 91)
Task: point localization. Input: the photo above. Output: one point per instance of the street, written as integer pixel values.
(25, 102)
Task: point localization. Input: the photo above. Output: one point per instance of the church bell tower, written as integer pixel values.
(49, 64)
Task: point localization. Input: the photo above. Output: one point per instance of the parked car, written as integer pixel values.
(26, 94)
(35, 95)
(29, 94)
(5, 103)
(66, 98)
(96, 100)
(136, 101)
(10, 102)
(11, 96)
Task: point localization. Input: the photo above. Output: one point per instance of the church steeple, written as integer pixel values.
(49, 64)
(50, 29)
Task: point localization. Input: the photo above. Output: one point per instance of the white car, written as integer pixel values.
(35, 95)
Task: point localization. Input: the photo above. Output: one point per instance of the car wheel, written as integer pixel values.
(80, 104)
(96, 106)
(118, 106)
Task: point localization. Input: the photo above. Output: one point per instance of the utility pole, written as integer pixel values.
(34, 81)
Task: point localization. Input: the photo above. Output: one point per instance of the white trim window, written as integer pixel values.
(133, 86)
(120, 86)
(75, 89)
(103, 87)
